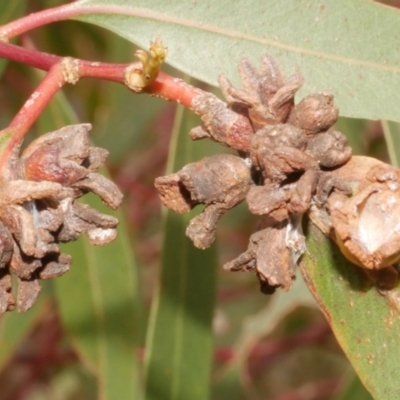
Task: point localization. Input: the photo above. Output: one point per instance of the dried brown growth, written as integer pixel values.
(365, 225)
(39, 209)
(286, 150)
(220, 182)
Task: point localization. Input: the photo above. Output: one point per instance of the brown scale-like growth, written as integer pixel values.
(284, 148)
(39, 209)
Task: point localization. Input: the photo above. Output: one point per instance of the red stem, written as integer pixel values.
(44, 61)
(41, 18)
(165, 86)
(30, 57)
(171, 88)
(30, 112)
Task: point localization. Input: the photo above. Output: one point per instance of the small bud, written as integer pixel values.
(103, 187)
(269, 200)
(270, 257)
(222, 178)
(266, 96)
(81, 218)
(57, 156)
(137, 78)
(55, 265)
(28, 291)
(330, 149)
(268, 139)
(220, 181)
(315, 113)
(202, 229)
(221, 124)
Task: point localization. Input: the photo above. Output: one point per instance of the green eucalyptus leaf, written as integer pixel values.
(365, 322)
(391, 131)
(180, 338)
(98, 299)
(348, 48)
(100, 309)
(353, 129)
(353, 389)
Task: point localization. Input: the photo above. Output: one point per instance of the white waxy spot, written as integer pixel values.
(393, 185)
(248, 162)
(294, 239)
(32, 99)
(102, 236)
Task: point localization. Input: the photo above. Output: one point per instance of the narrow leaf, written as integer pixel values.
(179, 341)
(365, 323)
(98, 298)
(354, 130)
(391, 131)
(348, 48)
(353, 389)
(100, 310)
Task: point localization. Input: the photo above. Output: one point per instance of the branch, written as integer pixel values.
(45, 17)
(164, 86)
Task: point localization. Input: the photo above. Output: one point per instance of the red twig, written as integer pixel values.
(40, 18)
(171, 88)
(44, 61)
(165, 86)
(30, 57)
